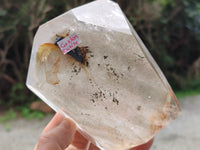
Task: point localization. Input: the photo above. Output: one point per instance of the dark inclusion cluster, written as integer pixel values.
(79, 53)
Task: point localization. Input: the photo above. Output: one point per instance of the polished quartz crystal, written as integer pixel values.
(118, 96)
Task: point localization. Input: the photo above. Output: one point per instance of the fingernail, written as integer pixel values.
(68, 124)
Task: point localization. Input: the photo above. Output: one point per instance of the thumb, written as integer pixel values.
(57, 138)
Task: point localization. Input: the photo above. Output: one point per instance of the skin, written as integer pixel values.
(61, 134)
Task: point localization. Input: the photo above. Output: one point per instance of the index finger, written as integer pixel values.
(55, 121)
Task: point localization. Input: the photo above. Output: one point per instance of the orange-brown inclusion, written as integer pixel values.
(158, 118)
(51, 75)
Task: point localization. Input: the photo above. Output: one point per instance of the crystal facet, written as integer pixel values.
(119, 98)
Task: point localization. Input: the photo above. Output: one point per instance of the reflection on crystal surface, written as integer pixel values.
(120, 99)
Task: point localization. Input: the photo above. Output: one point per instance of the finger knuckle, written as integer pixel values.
(43, 139)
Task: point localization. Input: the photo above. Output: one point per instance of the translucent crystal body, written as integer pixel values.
(120, 99)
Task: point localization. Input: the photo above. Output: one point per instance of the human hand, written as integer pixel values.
(61, 134)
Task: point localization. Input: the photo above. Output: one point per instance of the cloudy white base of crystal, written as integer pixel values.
(121, 99)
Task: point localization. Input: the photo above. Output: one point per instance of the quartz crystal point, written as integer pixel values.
(120, 98)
